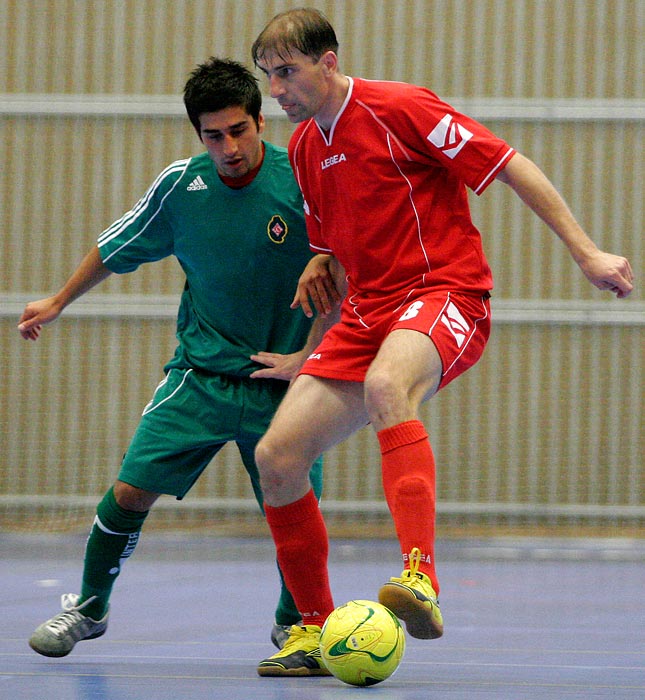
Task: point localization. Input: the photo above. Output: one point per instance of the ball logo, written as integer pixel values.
(277, 229)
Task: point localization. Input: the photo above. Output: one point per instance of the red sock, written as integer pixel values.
(302, 546)
(408, 469)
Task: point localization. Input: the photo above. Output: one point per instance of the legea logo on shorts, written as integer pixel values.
(449, 136)
(455, 323)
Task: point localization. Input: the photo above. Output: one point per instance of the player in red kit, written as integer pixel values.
(383, 168)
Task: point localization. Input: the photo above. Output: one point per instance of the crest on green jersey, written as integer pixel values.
(277, 229)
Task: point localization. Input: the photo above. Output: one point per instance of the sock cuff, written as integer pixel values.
(401, 434)
(118, 520)
(295, 512)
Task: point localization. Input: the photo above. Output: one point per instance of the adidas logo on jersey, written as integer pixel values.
(197, 184)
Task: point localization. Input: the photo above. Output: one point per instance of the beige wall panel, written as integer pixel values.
(534, 48)
(524, 426)
(600, 170)
(64, 180)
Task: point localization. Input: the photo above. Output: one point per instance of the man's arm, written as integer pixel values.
(603, 270)
(88, 274)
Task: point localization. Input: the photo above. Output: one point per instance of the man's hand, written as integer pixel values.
(36, 315)
(88, 274)
(316, 285)
(278, 366)
(608, 271)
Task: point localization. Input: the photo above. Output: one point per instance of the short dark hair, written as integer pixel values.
(305, 29)
(220, 83)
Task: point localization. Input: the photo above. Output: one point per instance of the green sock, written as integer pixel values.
(286, 613)
(112, 540)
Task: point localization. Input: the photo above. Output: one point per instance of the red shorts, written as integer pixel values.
(458, 324)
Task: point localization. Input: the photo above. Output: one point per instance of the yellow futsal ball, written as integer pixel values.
(362, 642)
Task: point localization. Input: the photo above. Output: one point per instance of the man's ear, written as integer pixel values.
(329, 61)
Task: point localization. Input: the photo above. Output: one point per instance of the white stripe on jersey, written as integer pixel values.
(133, 213)
(494, 170)
(411, 198)
(327, 251)
(385, 128)
(328, 141)
(118, 226)
(295, 153)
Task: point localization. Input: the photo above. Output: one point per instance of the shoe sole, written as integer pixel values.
(274, 671)
(59, 654)
(50, 654)
(416, 614)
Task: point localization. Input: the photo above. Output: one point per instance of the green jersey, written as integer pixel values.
(242, 251)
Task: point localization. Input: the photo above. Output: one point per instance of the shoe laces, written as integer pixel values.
(412, 574)
(63, 622)
(69, 601)
(415, 560)
(71, 615)
(297, 636)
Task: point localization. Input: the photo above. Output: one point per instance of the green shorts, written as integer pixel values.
(189, 419)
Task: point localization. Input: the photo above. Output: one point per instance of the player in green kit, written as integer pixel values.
(233, 218)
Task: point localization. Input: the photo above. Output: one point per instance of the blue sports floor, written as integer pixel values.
(191, 617)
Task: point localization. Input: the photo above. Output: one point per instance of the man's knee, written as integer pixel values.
(264, 456)
(133, 498)
(381, 388)
(386, 400)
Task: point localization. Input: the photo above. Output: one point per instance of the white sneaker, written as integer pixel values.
(58, 636)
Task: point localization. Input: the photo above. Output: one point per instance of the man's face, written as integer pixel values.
(232, 140)
(297, 82)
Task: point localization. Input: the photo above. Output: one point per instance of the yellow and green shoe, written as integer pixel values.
(412, 599)
(300, 656)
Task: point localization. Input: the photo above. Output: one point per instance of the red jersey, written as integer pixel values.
(385, 189)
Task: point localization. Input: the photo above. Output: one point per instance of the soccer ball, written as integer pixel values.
(362, 642)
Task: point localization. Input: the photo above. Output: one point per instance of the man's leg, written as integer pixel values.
(160, 460)
(314, 415)
(423, 352)
(112, 540)
(286, 613)
(406, 370)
